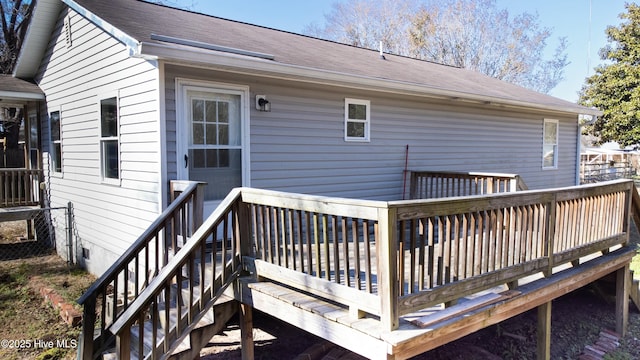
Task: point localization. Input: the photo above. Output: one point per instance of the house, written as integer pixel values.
(138, 94)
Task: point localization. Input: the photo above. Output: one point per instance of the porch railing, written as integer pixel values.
(381, 258)
(456, 247)
(19, 187)
(438, 184)
(122, 283)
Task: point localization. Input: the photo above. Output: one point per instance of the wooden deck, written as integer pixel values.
(387, 280)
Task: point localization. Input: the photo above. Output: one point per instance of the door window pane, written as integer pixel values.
(215, 148)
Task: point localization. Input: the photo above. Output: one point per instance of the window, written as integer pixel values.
(56, 142)
(550, 145)
(109, 142)
(356, 120)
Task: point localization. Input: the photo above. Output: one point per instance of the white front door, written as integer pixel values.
(213, 138)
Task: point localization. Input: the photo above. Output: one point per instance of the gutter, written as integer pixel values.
(269, 68)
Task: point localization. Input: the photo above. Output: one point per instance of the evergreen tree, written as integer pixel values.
(614, 88)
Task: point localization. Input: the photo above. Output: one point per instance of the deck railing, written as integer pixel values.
(438, 184)
(456, 247)
(373, 257)
(122, 283)
(19, 187)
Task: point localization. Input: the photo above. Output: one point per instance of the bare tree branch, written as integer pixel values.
(472, 34)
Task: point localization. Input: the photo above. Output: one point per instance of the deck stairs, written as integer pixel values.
(212, 320)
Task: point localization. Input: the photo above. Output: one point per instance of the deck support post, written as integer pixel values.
(622, 299)
(246, 331)
(544, 331)
(388, 287)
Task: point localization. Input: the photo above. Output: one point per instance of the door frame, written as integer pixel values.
(182, 130)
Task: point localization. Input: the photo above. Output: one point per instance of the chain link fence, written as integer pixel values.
(36, 232)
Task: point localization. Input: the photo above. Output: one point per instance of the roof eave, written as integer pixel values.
(43, 20)
(27, 96)
(270, 68)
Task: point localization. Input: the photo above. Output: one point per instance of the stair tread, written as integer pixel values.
(318, 306)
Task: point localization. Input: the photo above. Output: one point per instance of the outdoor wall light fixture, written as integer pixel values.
(262, 104)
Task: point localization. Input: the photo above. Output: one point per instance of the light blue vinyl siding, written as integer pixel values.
(299, 145)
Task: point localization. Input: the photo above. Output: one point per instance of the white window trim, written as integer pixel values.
(367, 121)
(103, 179)
(52, 167)
(557, 145)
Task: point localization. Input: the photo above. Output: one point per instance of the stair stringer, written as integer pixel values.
(199, 337)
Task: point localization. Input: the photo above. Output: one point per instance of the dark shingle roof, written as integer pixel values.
(140, 20)
(15, 91)
(10, 84)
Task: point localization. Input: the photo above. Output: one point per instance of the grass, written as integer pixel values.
(30, 328)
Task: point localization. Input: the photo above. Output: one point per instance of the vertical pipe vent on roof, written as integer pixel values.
(67, 31)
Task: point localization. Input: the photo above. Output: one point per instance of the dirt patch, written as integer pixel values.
(12, 231)
(29, 327)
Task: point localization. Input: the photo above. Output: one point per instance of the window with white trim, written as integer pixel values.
(550, 144)
(357, 120)
(109, 140)
(56, 141)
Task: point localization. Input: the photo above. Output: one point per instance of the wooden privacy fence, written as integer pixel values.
(381, 258)
(438, 184)
(19, 187)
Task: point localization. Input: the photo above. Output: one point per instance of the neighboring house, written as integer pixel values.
(139, 94)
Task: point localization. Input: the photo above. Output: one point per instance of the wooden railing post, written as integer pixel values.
(243, 222)
(88, 325)
(628, 209)
(198, 205)
(387, 249)
(513, 184)
(550, 233)
(413, 185)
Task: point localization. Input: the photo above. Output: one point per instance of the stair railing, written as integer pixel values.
(123, 282)
(188, 286)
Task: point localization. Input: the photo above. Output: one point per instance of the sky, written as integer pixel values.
(582, 22)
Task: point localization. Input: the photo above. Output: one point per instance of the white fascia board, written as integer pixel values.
(43, 20)
(131, 43)
(269, 68)
(5, 95)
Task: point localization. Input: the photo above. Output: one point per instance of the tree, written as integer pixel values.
(614, 87)
(472, 34)
(15, 20)
(366, 23)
